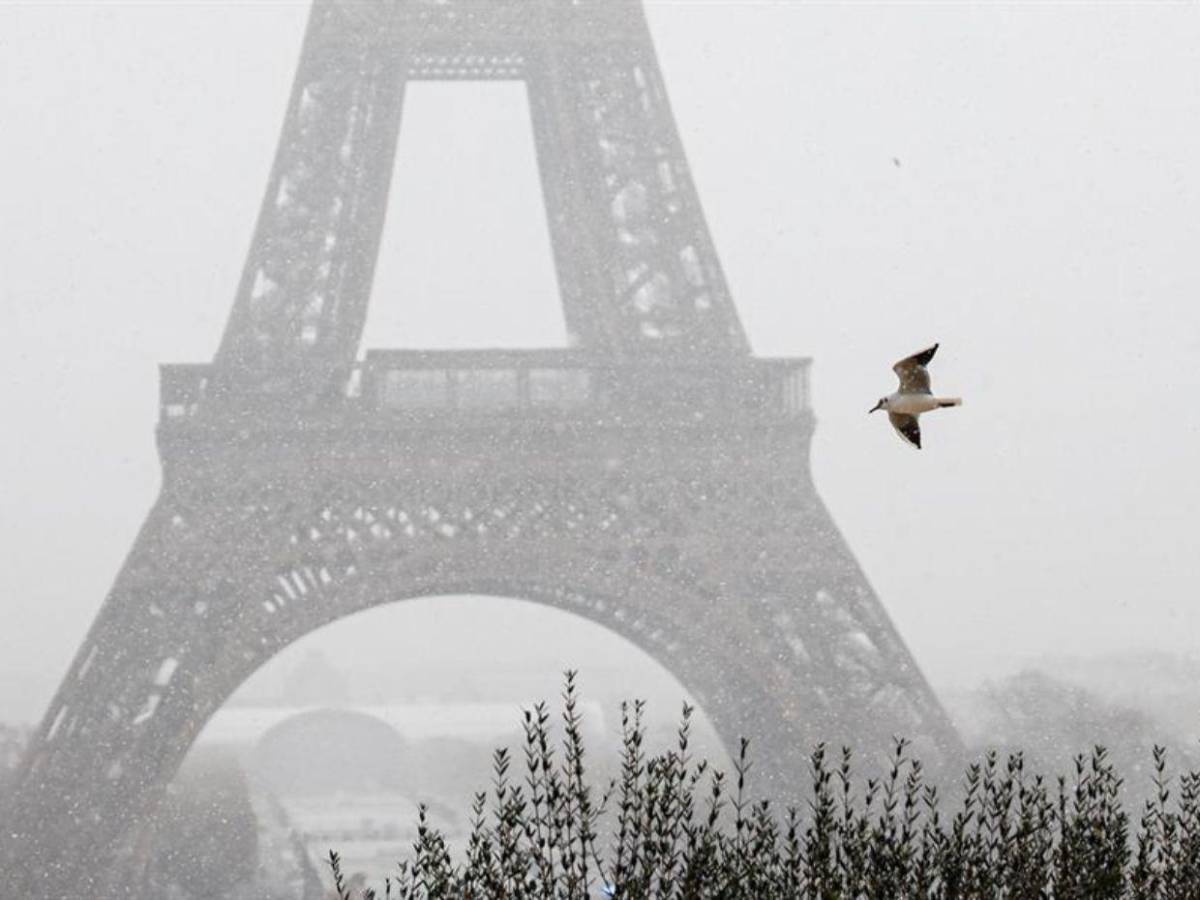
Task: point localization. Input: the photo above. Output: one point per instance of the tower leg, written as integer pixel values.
(142, 686)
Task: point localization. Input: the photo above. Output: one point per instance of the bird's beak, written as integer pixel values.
(875, 407)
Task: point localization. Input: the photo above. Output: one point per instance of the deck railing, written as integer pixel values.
(533, 382)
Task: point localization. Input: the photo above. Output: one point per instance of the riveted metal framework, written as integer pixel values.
(653, 478)
(636, 267)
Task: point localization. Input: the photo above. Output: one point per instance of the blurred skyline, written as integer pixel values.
(1014, 181)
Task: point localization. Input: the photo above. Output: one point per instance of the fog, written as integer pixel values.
(1015, 182)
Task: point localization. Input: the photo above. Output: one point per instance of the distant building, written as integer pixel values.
(328, 750)
(485, 723)
(12, 745)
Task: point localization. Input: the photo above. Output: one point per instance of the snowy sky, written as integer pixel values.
(1043, 223)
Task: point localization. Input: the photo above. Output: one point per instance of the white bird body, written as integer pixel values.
(911, 404)
(914, 397)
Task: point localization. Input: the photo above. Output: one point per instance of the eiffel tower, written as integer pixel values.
(653, 478)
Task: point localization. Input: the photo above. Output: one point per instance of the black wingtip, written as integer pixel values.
(925, 356)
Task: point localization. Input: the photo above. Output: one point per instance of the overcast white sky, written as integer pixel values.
(1043, 223)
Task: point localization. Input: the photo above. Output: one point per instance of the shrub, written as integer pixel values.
(676, 829)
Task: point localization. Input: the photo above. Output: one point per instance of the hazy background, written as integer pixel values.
(1018, 182)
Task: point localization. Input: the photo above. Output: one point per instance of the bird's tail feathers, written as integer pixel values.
(949, 401)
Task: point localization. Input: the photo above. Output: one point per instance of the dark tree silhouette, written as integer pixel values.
(207, 832)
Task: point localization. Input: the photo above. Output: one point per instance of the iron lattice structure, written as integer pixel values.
(653, 478)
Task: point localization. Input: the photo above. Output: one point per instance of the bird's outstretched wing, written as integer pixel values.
(907, 428)
(914, 377)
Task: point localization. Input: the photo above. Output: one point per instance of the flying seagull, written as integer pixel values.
(913, 397)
